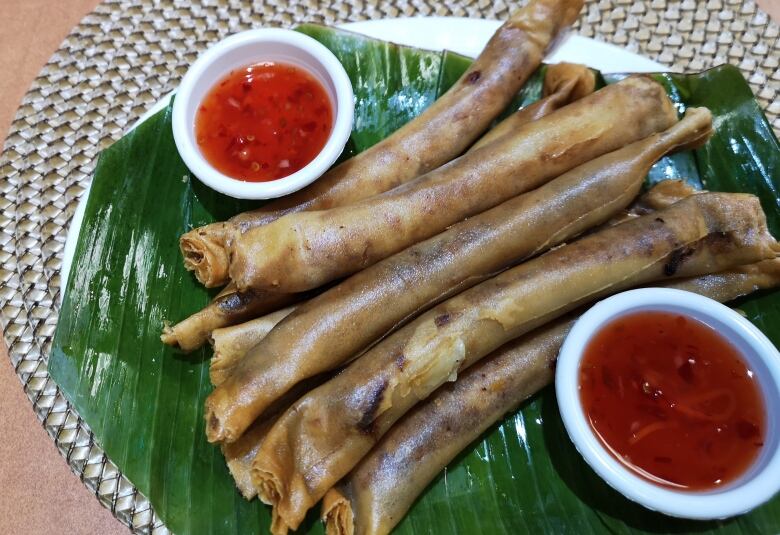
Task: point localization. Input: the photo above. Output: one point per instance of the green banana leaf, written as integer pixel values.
(144, 401)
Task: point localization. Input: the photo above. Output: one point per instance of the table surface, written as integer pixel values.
(39, 494)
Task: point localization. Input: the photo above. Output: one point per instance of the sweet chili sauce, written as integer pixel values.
(264, 122)
(673, 400)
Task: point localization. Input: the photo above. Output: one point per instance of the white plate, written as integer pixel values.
(462, 35)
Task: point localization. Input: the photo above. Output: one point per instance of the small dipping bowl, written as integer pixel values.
(248, 48)
(754, 487)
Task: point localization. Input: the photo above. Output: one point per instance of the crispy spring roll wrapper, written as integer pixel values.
(307, 249)
(334, 327)
(230, 307)
(325, 433)
(240, 454)
(438, 134)
(731, 284)
(568, 82)
(231, 344)
(380, 490)
(660, 196)
(563, 83)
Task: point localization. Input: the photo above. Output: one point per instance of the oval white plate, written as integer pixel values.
(461, 35)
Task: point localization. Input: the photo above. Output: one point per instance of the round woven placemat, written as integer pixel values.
(126, 55)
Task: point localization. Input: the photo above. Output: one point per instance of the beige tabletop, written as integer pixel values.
(39, 493)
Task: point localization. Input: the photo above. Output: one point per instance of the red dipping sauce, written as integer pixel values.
(672, 400)
(264, 122)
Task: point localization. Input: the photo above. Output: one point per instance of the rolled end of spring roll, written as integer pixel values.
(323, 436)
(230, 344)
(440, 133)
(304, 250)
(204, 253)
(228, 308)
(381, 489)
(334, 327)
(240, 454)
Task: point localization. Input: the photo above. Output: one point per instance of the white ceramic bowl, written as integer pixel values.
(754, 487)
(243, 49)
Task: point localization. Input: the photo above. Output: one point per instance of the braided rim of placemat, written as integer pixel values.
(126, 55)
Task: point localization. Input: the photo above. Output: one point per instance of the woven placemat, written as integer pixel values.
(126, 55)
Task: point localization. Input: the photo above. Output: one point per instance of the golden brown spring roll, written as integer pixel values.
(326, 432)
(334, 327)
(563, 83)
(228, 308)
(380, 490)
(240, 454)
(437, 135)
(570, 82)
(304, 250)
(231, 344)
(662, 195)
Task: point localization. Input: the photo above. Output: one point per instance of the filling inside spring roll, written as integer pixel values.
(564, 83)
(304, 250)
(439, 134)
(326, 432)
(334, 327)
(381, 489)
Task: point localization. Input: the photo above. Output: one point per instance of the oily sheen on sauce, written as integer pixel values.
(264, 121)
(673, 400)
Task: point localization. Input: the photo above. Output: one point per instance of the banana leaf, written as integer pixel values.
(144, 401)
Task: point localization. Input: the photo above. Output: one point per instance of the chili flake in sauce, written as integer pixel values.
(673, 400)
(264, 122)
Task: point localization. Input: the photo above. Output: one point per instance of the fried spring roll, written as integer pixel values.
(437, 135)
(325, 433)
(332, 328)
(304, 250)
(380, 490)
(231, 344)
(240, 454)
(564, 83)
(228, 308)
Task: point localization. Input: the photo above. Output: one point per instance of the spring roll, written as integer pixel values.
(437, 135)
(240, 454)
(228, 308)
(326, 432)
(380, 490)
(304, 250)
(231, 344)
(332, 328)
(563, 83)
(569, 82)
